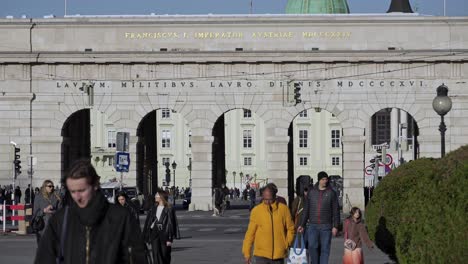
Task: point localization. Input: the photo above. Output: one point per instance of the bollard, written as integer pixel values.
(4, 216)
(20, 217)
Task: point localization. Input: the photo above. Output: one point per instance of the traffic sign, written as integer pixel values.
(369, 170)
(122, 161)
(388, 160)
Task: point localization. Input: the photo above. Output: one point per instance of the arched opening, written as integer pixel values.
(76, 139)
(164, 136)
(397, 132)
(146, 161)
(238, 150)
(314, 145)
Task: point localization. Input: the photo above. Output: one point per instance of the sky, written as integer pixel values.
(40, 8)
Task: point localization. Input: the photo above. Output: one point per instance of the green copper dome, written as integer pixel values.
(317, 7)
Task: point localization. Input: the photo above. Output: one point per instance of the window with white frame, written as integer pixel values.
(335, 138)
(303, 161)
(303, 113)
(165, 113)
(247, 161)
(335, 161)
(247, 138)
(110, 161)
(247, 113)
(166, 139)
(165, 160)
(111, 138)
(303, 138)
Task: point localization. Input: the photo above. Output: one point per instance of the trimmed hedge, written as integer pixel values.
(418, 212)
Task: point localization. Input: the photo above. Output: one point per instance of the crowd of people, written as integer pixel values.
(81, 226)
(314, 216)
(79, 216)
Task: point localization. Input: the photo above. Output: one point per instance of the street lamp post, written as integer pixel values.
(174, 166)
(442, 104)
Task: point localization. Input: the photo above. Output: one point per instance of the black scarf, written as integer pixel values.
(94, 212)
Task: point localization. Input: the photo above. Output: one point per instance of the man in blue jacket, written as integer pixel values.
(321, 209)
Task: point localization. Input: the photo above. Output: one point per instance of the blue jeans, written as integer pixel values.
(319, 238)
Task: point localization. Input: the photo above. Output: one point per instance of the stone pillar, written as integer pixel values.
(14, 126)
(201, 172)
(353, 169)
(277, 155)
(48, 152)
(394, 129)
(404, 130)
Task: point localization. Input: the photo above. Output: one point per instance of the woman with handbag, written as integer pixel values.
(160, 229)
(355, 233)
(46, 203)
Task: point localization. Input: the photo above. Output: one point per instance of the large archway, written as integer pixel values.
(238, 151)
(314, 145)
(164, 136)
(76, 139)
(395, 130)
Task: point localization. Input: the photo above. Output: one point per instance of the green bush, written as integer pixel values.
(425, 205)
(384, 209)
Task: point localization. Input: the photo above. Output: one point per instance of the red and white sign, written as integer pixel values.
(388, 160)
(368, 170)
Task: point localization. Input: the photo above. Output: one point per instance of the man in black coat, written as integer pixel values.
(96, 231)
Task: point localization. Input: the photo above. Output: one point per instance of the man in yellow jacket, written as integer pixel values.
(271, 230)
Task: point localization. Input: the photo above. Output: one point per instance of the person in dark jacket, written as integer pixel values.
(18, 195)
(321, 210)
(161, 229)
(46, 203)
(28, 194)
(2, 198)
(123, 199)
(94, 231)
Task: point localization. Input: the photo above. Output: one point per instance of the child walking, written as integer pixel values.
(355, 234)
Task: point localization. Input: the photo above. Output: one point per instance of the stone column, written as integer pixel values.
(277, 155)
(353, 169)
(201, 172)
(404, 130)
(394, 129)
(48, 152)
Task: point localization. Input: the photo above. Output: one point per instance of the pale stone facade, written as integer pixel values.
(204, 66)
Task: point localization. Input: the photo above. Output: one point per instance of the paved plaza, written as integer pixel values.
(205, 240)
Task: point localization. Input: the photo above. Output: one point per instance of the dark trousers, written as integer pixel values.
(161, 253)
(261, 260)
(319, 238)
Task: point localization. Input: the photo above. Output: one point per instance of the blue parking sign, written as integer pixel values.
(122, 161)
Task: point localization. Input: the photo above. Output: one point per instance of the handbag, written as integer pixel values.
(37, 223)
(297, 255)
(349, 244)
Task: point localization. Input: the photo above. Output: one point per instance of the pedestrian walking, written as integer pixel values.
(18, 195)
(252, 196)
(355, 233)
(161, 228)
(27, 194)
(46, 203)
(218, 198)
(123, 200)
(270, 230)
(321, 210)
(89, 229)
